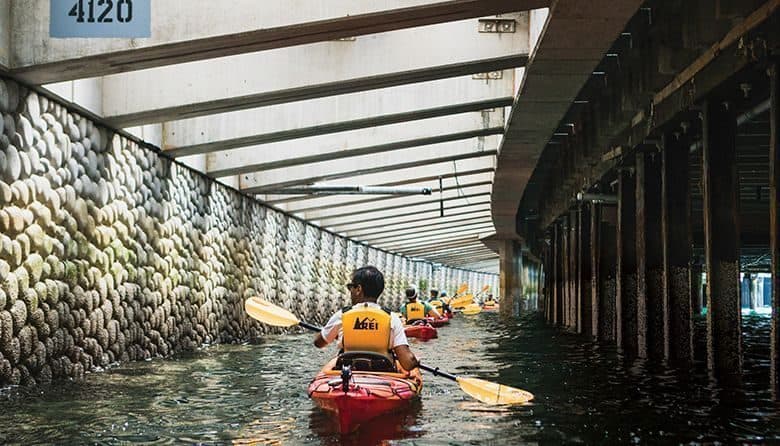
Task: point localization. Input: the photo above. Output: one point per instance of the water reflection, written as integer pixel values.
(256, 394)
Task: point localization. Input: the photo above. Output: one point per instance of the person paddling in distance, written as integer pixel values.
(365, 325)
(435, 300)
(413, 310)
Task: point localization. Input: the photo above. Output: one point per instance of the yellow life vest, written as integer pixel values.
(490, 302)
(366, 329)
(436, 304)
(415, 310)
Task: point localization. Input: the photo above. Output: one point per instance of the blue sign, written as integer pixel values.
(101, 18)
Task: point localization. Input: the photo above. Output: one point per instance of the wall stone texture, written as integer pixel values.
(110, 252)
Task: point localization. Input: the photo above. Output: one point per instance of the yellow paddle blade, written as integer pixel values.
(462, 301)
(494, 393)
(268, 313)
(472, 310)
(485, 288)
(463, 288)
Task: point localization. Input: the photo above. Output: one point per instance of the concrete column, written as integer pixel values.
(546, 282)
(608, 270)
(565, 291)
(584, 316)
(574, 274)
(510, 276)
(721, 231)
(558, 280)
(676, 232)
(695, 286)
(625, 286)
(774, 223)
(651, 319)
(595, 269)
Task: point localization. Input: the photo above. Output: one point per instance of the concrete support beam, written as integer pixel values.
(574, 274)
(625, 286)
(447, 249)
(396, 203)
(651, 315)
(435, 246)
(360, 165)
(607, 273)
(595, 270)
(566, 271)
(187, 31)
(427, 234)
(362, 226)
(405, 177)
(433, 223)
(379, 217)
(721, 229)
(584, 290)
(563, 62)
(468, 259)
(774, 222)
(557, 307)
(356, 143)
(334, 114)
(677, 252)
(378, 61)
(433, 239)
(426, 227)
(318, 202)
(510, 286)
(459, 252)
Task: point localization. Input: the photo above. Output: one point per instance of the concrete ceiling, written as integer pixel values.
(381, 93)
(575, 38)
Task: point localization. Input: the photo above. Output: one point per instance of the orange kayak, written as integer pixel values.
(421, 330)
(366, 396)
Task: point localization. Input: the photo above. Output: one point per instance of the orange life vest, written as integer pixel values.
(415, 310)
(366, 329)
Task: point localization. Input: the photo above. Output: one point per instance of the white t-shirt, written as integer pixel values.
(332, 329)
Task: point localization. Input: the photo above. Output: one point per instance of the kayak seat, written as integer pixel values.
(365, 362)
(416, 321)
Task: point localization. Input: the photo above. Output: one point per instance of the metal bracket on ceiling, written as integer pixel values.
(498, 26)
(490, 75)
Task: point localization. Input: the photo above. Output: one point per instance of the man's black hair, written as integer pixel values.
(371, 279)
(410, 292)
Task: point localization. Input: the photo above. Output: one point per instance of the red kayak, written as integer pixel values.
(421, 329)
(367, 394)
(438, 322)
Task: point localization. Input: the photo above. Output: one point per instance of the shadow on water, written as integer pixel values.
(586, 393)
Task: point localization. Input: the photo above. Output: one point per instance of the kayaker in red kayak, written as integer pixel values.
(414, 310)
(365, 325)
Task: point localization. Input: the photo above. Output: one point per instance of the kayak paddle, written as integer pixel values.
(472, 309)
(484, 391)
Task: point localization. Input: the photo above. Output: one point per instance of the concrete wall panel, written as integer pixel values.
(109, 252)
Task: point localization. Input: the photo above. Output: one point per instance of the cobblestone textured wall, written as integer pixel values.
(110, 252)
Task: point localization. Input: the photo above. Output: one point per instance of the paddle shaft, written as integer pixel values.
(309, 326)
(437, 372)
(434, 370)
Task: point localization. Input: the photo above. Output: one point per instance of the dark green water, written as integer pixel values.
(256, 394)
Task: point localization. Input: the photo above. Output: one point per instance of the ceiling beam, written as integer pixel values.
(330, 170)
(334, 114)
(433, 213)
(339, 146)
(194, 30)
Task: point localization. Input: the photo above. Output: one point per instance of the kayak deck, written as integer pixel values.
(422, 331)
(370, 394)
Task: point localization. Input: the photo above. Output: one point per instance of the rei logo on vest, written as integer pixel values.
(366, 324)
